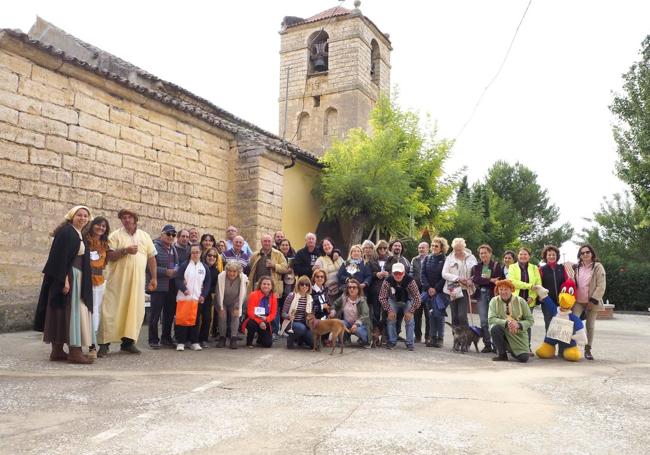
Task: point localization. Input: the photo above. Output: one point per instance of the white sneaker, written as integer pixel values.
(195, 347)
(180, 347)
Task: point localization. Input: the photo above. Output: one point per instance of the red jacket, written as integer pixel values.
(254, 299)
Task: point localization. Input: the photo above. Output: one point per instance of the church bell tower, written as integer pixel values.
(333, 67)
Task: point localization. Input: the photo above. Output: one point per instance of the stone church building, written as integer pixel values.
(79, 125)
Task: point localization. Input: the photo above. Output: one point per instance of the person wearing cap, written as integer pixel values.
(510, 319)
(163, 302)
(130, 252)
(65, 305)
(399, 293)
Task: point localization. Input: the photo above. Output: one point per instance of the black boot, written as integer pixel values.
(588, 355)
(221, 342)
(233, 343)
(501, 358)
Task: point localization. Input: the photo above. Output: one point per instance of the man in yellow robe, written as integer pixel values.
(130, 252)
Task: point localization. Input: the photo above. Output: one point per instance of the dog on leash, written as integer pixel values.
(464, 337)
(334, 327)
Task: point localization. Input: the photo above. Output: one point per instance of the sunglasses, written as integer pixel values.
(582, 253)
(398, 273)
(170, 234)
(382, 248)
(304, 285)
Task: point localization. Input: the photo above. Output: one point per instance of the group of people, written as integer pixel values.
(93, 291)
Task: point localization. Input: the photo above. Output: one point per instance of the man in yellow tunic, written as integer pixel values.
(130, 251)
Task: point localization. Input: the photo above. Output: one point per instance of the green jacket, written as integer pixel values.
(363, 313)
(520, 312)
(514, 275)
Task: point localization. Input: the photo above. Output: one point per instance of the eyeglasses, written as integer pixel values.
(170, 234)
(210, 255)
(582, 253)
(435, 245)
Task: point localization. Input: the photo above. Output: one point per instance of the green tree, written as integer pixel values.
(391, 178)
(632, 130)
(621, 242)
(508, 208)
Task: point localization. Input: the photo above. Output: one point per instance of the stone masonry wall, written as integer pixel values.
(68, 136)
(347, 86)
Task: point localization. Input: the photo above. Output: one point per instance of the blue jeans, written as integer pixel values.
(483, 304)
(403, 307)
(301, 333)
(362, 332)
(437, 317)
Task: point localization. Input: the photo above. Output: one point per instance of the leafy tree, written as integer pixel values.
(506, 209)
(621, 241)
(390, 178)
(632, 130)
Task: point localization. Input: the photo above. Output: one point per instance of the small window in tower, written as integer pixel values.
(375, 62)
(303, 126)
(317, 101)
(318, 52)
(330, 128)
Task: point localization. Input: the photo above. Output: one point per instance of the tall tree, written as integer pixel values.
(390, 178)
(632, 130)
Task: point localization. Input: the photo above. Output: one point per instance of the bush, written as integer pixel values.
(626, 285)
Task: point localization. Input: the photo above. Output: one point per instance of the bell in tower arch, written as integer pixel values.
(319, 54)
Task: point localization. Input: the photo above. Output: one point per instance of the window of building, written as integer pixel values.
(374, 62)
(330, 128)
(317, 101)
(318, 52)
(303, 125)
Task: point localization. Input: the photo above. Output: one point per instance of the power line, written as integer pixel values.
(496, 75)
(304, 90)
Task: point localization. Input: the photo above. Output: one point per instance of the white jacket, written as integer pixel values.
(455, 268)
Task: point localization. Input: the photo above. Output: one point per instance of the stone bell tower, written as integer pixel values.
(333, 66)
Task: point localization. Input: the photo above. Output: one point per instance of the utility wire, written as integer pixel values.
(304, 90)
(496, 75)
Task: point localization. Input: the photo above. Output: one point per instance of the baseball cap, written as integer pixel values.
(168, 228)
(398, 268)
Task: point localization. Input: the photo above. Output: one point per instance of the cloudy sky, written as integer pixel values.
(547, 109)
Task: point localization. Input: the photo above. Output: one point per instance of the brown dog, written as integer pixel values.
(377, 335)
(318, 327)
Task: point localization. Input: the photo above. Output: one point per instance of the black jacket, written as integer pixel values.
(65, 247)
(431, 274)
(304, 261)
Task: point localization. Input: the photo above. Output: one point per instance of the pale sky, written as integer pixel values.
(548, 108)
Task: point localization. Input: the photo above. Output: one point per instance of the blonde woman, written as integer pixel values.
(457, 272)
(355, 268)
(331, 267)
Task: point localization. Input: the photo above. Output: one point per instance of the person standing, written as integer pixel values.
(65, 305)
(163, 303)
(267, 262)
(278, 237)
(379, 268)
(288, 281)
(303, 263)
(231, 293)
(193, 283)
(433, 285)
(237, 253)
(355, 268)
(524, 276)
(553, 275)
(130, 252)
(415, 272)
(183, 246)
(396, 248)
(484, 275)
(96, 238)
(399, 294)
(194, 236)
(231, 233)
(591, 282)
(208, 316)
(331, 267)
(509, 318)
(458, 273)
(508, 260)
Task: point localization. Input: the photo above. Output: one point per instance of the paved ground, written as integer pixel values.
(366, 401)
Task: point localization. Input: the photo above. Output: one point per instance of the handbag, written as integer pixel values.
(455, 291)
(186, 311)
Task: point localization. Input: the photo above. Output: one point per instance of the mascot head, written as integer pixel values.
(567, 294)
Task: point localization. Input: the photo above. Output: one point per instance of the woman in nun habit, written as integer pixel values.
(64, 311)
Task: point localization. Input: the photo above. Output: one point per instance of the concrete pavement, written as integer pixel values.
(365, 401)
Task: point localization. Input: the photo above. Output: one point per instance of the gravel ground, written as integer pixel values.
(364, 401)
